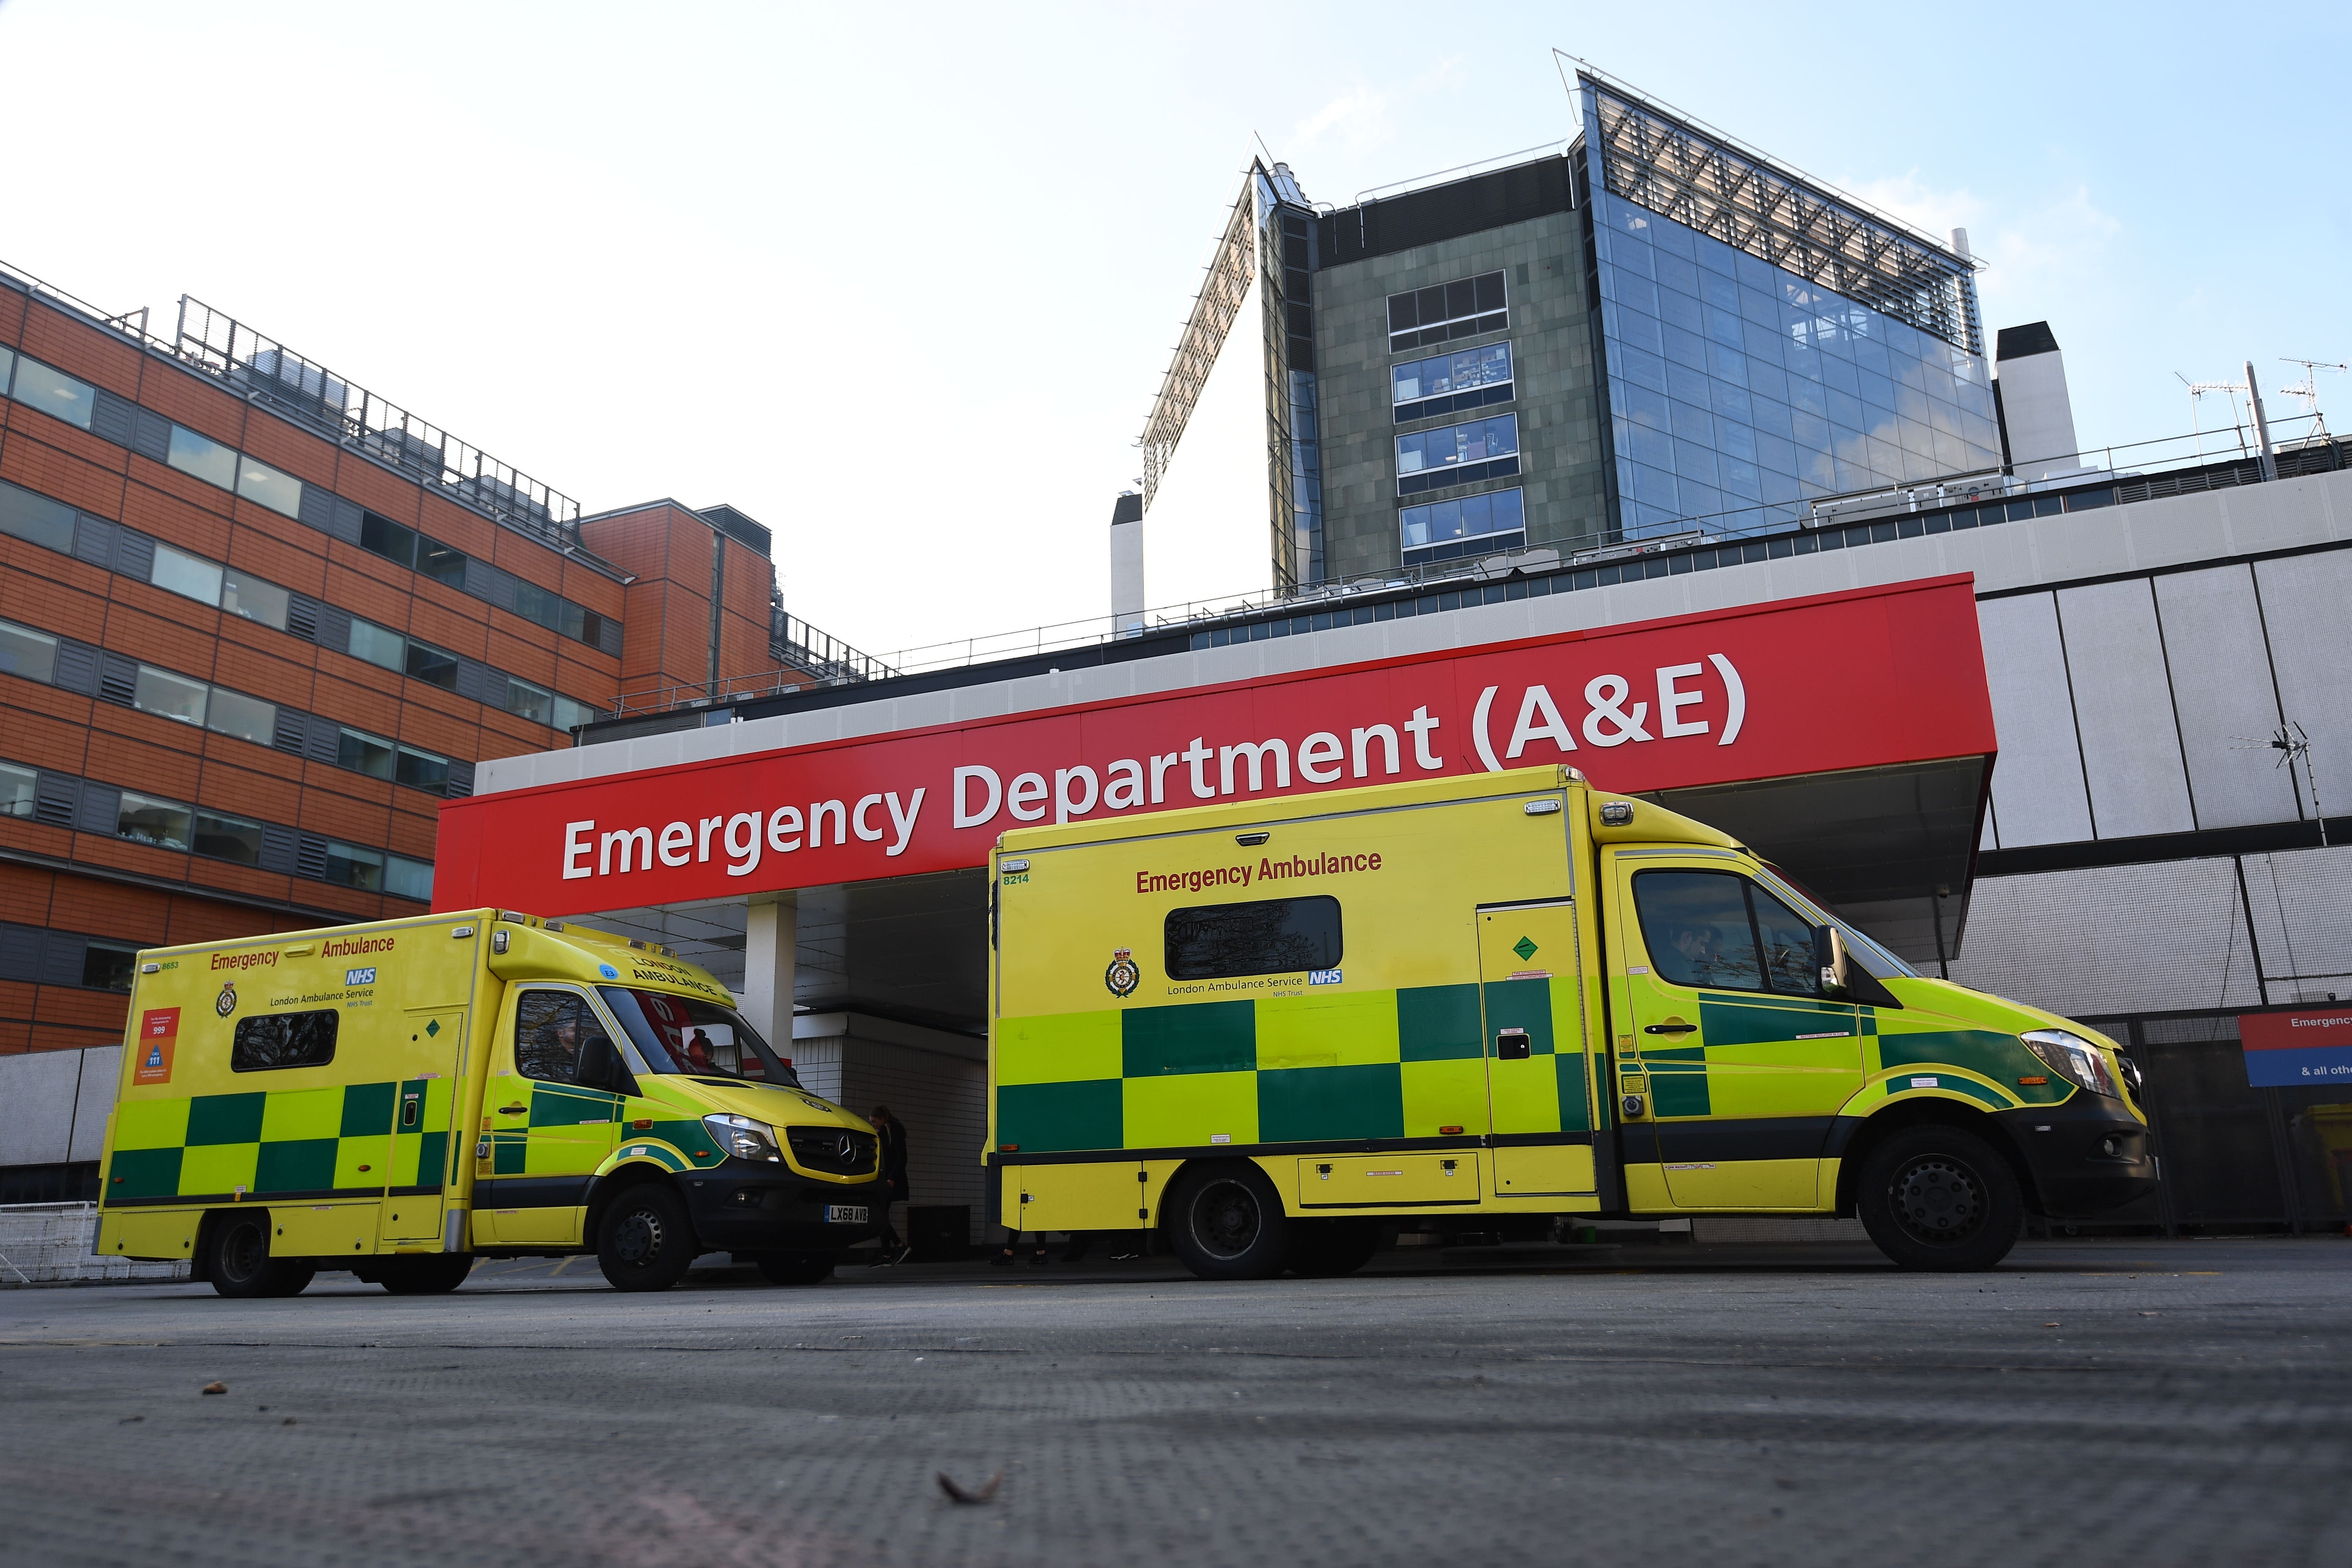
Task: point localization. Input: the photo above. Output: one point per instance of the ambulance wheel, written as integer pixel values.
(795, 1268)
(645, 1241)
(238, 1260)
(1225, 1222)
(1940, 1199)
(1327, 1248)
(437, 1275)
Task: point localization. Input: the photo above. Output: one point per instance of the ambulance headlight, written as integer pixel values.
(744, 1138)
(2073, 1058)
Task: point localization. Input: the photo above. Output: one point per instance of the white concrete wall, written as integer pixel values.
(53, 1105)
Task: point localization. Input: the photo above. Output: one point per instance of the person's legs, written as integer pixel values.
(1005, 1259)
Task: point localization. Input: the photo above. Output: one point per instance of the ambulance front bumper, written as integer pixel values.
(2088, 1156)
(743, 1208)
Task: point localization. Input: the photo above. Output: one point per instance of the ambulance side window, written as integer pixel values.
(550, 1028)
(1695, 924)
(274, 1040)
(1276, 936)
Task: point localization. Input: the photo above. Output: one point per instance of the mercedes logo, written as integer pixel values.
(846, 1147)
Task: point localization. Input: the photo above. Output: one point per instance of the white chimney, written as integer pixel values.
(1126, 565)
(2037, 418)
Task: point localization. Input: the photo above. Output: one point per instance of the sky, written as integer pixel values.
(902, 282)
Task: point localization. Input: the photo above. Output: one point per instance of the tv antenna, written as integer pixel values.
(2197, 391)
(2293, 746)
(2308, 390)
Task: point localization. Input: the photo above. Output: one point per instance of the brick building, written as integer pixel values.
(256, 625)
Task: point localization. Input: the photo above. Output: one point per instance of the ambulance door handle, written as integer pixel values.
(1668, 1028)
(512, 1110)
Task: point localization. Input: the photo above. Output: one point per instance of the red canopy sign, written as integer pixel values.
(1863, 678)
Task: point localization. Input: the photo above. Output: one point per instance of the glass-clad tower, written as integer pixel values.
(1766, 344)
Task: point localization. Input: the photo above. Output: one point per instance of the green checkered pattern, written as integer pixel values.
(1308, 1069)
(569, 1130)
(304, 1142)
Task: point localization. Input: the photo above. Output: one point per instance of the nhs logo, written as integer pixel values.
(358, 976)
(1322, 978)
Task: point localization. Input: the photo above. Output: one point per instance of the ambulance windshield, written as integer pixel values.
(693, 1039)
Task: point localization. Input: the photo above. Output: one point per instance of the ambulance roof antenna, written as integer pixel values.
(2309, 390)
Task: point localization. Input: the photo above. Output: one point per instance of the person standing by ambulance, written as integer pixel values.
(894, 1180)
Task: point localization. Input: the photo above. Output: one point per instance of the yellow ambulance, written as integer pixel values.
(1268, 1030)
(400, 1098)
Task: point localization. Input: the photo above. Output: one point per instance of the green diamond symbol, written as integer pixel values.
(434, 1027)
(1525, 949)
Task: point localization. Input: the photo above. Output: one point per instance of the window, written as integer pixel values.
(1451, 383)
(26, 653)
(533, 603)
(377, 646)
(247, 717)
(1472, 522)
(18, 787)
(109, 965)
(352, 867)
(177, 572)
(1708, 928)
(254, 599)
(276, 1040)
(202, 458)
(143, 819)
(365, 753)
(266, 487)
(169, 696)
(433, 665)
(7, 367)
(1275, 936)
(441, 563)
(406, 878)
(1458, 453)
(1425, 317)
(535, 703)
(35, 518)
(686, 1035)
(225, 838)
(550, 1028)
(422, 769)
(54, 392)
(387, 539)
(571, 715)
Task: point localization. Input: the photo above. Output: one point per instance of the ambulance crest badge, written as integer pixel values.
(1123, 976)
(226, 1003)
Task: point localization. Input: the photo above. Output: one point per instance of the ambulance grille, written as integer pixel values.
(832, 1150)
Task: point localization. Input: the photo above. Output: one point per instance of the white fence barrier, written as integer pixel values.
(48, 1244)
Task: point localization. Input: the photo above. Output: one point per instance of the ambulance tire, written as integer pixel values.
(434, 1276)
(1327, 1248)
(645, 1242)
(1940, 1199)
(238, 1260)
(795, 1268)
(1225, 1222)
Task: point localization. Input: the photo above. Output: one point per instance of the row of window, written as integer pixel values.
(1424, 318)
(78, 403)
(187, 829)
(1483, 518)
(32, 955)
(1449, 384)
(34, 656)
(53, 525)
(1458, 454)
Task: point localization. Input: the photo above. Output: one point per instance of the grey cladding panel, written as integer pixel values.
(608, 637)
(280, 849)
(461, 781)
(334, 628)
(497, 586)
(2037, 784)
(151, 435)
(2117, 939)
(2221, 688)
(318, 508)
(302, 615)
(100, 809)
(2305, 603)
(325, 741)
(61, 958)
(292, 731)
(475, 681)
(345, 523)
(20, 953)
(310, 856)
(2123, 709)
(57, 798)
(118, 678)
(93, 540)
(113, 418)
(135, 555)
(76, 668)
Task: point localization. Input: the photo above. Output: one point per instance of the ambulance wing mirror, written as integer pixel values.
(600, 1067)
(1830, 958)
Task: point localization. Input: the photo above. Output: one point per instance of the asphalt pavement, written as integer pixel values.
(2089, 1402)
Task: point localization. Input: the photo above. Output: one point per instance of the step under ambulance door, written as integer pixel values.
(1539, 1091)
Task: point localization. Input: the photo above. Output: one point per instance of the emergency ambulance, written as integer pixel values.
(1268, 1030)
(400, 1098)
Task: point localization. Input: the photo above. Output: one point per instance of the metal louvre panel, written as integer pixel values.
(118, 678)
(281, 850)
(76, 668)
(56, 797)
(333, 629)
(61, 958)
(135, 555)
(608, 637)
(292, 731)
(475, 681)
(497, 585)
(317, 509)
(151, 435)
(302, 615)
(325, 741)
(100, 809)
(344, 524)
(20, 953)
(461, 781)
(310, 857)
(93, 540)
(112, 417)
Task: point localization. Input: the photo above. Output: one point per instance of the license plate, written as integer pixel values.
(845, 1214)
